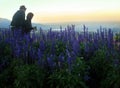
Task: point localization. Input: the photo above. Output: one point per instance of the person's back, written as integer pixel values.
(18, 20)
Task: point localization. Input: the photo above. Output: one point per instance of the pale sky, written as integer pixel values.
(50, 11)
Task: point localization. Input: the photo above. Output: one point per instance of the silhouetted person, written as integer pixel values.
(18, 20)
(28, 24)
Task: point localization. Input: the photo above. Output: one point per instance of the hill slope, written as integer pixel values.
(4, 23)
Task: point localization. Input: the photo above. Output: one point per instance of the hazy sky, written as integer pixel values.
(47, 11)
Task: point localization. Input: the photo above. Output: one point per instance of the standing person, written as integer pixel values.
(28, 24)
(18, 20)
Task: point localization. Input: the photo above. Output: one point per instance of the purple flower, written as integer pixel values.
(40, 57)
(76, 47)
(86, 77)
(50, 61)
(116, 62)
(42, 46)
(69, 60)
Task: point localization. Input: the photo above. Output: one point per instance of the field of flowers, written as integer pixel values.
(60, 59)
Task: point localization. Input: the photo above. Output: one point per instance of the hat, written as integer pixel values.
(22, 7)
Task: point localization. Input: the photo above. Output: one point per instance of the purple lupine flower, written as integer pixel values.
(61, 60)
(110, 39)
(69, 61)
(50, 61)
(17, 51)
(60, 28)
(84, 30)
(42, 46)
(116, 62)
(86, 47)
(65, 38)
(86, 77)
(40, 55)
(27, 38)
(76, 47)
(49, 34)
(32, 53)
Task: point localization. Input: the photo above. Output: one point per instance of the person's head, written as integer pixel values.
(23, 8)
(30, 15)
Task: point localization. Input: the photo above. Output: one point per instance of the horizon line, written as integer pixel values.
(105, 21)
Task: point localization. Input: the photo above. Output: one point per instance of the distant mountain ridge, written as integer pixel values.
(5, 23)
(115, 26)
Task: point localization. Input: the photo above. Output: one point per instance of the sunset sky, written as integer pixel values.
(52, 11)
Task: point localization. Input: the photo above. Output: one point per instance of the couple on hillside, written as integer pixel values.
(19, 22)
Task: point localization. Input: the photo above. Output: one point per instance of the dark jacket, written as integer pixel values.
(18, 19)
(28, 26)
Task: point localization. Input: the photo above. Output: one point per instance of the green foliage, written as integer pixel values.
(112, 80)
(5, 49)
(28, 76)
(79, 66)
(100, 65)
(66, 79)
(6, 78)
(82, 47)
(7, 75)
(94, 65)
(59, 47)
(117, 37)
(48, 48)
(36, 45)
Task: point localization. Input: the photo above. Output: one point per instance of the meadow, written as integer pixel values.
(60, 59)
